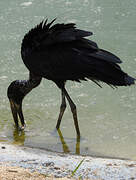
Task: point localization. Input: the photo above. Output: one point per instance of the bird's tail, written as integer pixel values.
(122, 79)
(129, 80)
(107, 71)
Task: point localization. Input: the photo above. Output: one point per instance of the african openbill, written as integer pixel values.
(59, 53)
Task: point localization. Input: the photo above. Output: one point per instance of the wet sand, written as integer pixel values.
(18, 162)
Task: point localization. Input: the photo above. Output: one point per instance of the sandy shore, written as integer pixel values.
(16, 173)
(18, 162)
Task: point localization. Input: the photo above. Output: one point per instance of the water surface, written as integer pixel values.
(107, 117)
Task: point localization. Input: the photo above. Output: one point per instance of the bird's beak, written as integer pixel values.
(16, 110)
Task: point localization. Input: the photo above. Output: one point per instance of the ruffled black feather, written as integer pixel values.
(44, 34)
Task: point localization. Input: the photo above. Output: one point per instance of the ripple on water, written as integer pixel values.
(26, 3)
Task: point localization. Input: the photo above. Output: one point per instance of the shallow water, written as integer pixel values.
(107, 117)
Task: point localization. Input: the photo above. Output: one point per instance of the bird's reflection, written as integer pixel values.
(65, 146)
(18, 137)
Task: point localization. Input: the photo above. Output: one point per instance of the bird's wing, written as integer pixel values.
(61, 52)
(73, 61)
(90, 48)
(105, 55)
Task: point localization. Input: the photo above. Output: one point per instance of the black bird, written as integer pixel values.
(59, 53)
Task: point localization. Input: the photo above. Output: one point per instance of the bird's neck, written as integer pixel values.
(28, 85)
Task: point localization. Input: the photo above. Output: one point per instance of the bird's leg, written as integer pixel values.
(62, 109)
(74, 111)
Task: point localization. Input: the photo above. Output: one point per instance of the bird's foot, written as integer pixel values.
(23, 127)
(20, 128)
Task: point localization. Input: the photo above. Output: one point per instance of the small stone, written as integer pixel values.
(3, 147)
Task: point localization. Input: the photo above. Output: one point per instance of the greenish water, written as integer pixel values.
(107, 117)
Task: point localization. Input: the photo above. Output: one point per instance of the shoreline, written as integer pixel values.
(62, 165)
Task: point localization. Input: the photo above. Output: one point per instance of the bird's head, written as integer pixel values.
(15, 96)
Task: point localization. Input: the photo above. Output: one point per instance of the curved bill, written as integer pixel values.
(16, 110)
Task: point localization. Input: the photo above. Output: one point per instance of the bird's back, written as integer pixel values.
(61, 52)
